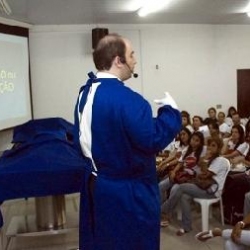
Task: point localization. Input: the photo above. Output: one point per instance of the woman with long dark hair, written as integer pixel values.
(236, 145)
(187, 166)
(231, 110)
(212, 166)
(166, 165)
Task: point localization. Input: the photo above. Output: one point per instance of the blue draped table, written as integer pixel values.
(48, 168)
(43, 162)
(39, 172)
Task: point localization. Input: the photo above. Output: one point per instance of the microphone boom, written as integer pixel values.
(135, 75)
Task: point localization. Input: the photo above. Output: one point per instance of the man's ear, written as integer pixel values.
(118, 61)
(122, 60)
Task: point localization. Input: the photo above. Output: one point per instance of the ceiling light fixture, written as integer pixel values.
(5, 7)
(151, 6)
(247, 9)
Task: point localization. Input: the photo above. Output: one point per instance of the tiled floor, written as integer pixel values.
(69, 241)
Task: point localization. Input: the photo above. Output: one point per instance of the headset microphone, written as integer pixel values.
(135, 75)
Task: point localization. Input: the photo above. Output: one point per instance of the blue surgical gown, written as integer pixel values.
(120, 206)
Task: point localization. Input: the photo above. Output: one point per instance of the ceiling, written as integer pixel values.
(49, 12)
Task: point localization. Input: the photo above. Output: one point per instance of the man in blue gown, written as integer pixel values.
(120, 206)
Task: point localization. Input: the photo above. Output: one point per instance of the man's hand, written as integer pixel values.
(167, 100)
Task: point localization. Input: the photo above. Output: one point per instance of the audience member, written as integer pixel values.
(243, 160)
(211, 116)
(186, 122)
(187, 165)
(225, 130)
(167, 164)
(214, 167)
(214, 129)
(231, 110)
(236, 145)
(237, 120)
(197, 122)
(237, 238)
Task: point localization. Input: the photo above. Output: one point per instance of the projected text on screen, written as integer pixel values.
(14, 81)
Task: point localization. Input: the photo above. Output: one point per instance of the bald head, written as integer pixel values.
(114, 55)
(107, 49)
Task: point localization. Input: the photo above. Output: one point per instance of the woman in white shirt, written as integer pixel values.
(243, 161)
(187, 164)
(231, 110)
(186, 122)
(223, 126)
(236, 145)
(216, 168)
(167, 164)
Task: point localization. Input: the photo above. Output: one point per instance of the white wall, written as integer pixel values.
(60, 59)
(196, 63)
(185, 58)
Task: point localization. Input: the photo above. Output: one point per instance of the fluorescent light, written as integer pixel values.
(144, 11)
(248, 14)
(134, 5)
(151, 6)
(247, 8)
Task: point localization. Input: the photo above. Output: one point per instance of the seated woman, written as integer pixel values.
(187, 162)
(171, 161)
(186, 122)
(211, 116)
(214, 167)
(236, 146)
(231, 110)
(236, 238)
(197, 122)
(244, 159)
(225, 130)
(213, 131)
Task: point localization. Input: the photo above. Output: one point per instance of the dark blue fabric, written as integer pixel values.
(80, 105)
(120, 208)
(48, 164)
(85, 90)
(40, 127)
